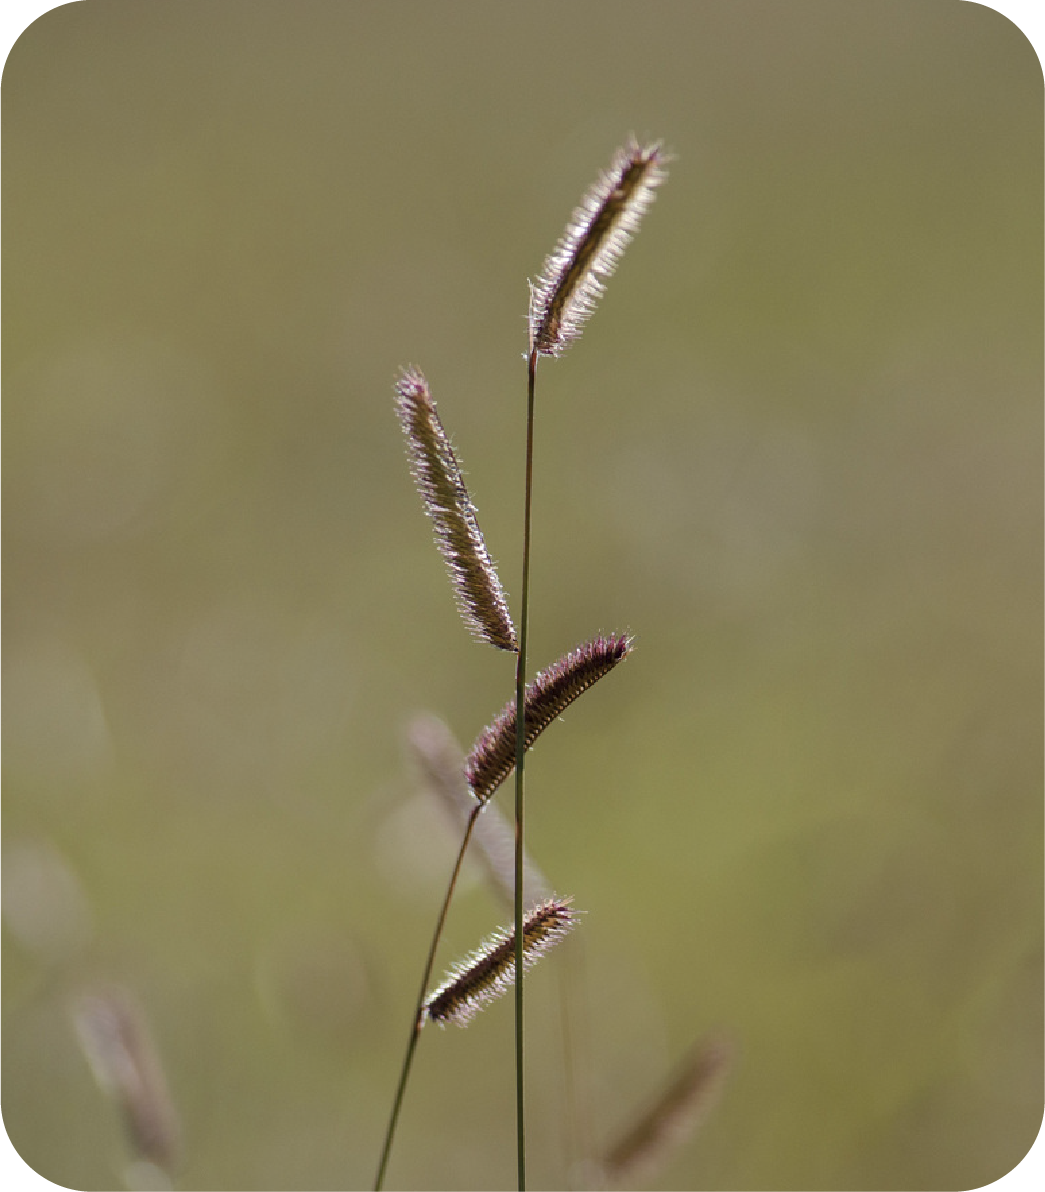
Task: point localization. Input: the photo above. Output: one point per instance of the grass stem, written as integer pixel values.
(520, 755)
(418, 1020)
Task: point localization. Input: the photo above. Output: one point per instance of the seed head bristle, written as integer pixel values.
(492, 757)
(672, 1117)
(477, 589)
(574, 275)
(490, 970)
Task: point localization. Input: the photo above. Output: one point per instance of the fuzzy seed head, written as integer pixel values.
(116, 1039)
(490, 970)
(492, 757)
(477, 589)
(672, 1117)
(574, 275)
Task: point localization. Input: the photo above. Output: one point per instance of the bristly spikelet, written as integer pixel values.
(118, 1044)
(490, 970)
(492, 757)
(477, 590)
(672, 1117)
(574, 275)
(441, 763)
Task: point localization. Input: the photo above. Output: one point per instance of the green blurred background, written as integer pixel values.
(797, 453)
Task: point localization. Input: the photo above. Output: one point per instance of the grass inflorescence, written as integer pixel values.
(561, 300)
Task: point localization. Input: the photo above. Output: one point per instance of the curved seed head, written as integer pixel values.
(574, 275)
(492, 757)
(477, 589)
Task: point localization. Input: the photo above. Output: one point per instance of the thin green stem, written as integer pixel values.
(520, 755)
(418, 1021)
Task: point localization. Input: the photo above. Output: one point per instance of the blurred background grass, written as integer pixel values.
(797, 452)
